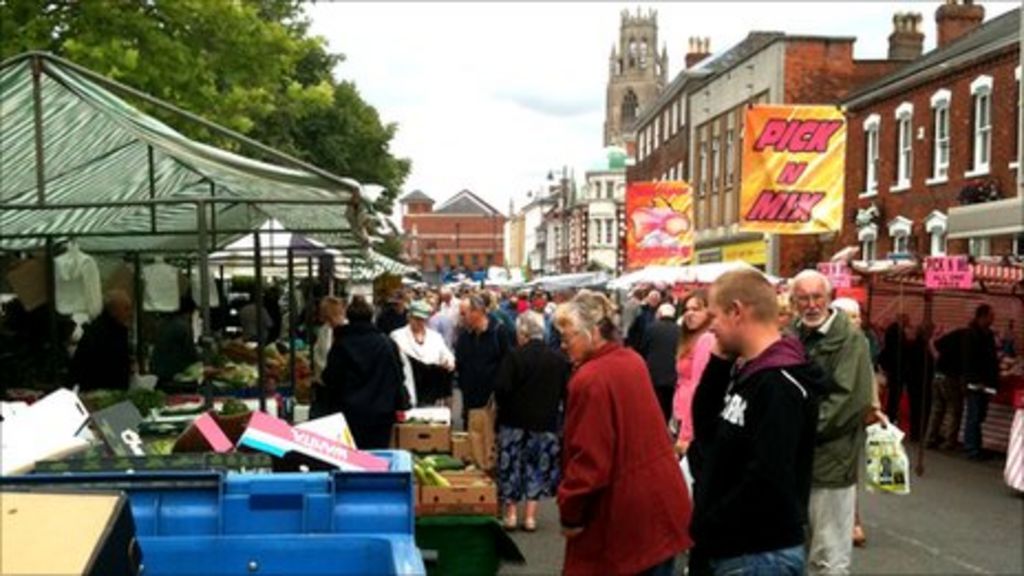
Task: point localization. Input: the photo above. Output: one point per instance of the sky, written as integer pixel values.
(492, 96)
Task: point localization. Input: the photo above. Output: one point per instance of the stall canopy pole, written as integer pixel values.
(291, 317)
(926, 383)
(138, 288)
(213, 217)
(51, 298)
(260, 327)
(204, 268)
(152, 189)
(37, 109)
(310, 301)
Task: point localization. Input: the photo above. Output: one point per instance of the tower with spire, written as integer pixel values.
(637, 73)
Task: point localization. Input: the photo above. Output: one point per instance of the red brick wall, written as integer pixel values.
(440, 239)
(824, 71)
(668, 155)
(922, 199)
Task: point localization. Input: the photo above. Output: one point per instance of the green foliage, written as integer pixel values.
(250, 65)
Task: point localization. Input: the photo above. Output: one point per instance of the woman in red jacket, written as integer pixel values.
(623, 503)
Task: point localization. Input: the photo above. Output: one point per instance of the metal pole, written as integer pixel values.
(260, 328)
(213, 217)
(37, 110)
(1020, 106)
(291, 317)
(51, 298)
(310, 300)
(204, 268)
(140, 350)
(152, 188)
(926, 384)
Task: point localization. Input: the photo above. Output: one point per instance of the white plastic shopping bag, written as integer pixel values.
(888, 466)
(684, 465)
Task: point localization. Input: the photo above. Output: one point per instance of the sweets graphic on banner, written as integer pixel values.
(659, 229)
(793, 169)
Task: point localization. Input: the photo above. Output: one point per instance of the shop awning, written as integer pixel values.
(987, 219)
(108, 159)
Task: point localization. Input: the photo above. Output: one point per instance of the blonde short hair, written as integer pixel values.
(586, 311)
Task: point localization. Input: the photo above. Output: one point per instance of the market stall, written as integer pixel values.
(893, 288)
(94, 176)
(672, 275)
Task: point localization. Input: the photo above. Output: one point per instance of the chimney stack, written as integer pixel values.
(700, 48)
(906, 42)
(957, 18)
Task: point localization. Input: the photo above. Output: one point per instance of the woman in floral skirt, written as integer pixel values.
(529, 394)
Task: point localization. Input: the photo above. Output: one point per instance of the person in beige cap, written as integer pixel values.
(427, 361)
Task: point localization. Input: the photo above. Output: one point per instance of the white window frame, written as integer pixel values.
(900, 229)
(609, 235)
(730, 150)
(657, 134)
(904, 147)
(981, 129)
(643, 143)
(871, 157)
(940, 102)
(935, 226)
(980, 246)
(650, 134)
(868, 238)
(674, 117)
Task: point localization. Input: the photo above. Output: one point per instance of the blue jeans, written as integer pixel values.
(785, 562)
(977, 410)
(666, 568)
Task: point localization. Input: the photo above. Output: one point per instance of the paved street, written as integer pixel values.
(959, 519)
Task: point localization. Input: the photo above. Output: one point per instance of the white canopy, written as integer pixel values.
(695, 274)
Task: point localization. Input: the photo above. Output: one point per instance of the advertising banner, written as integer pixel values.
(659, 224)
(838, 273)
(793, 169)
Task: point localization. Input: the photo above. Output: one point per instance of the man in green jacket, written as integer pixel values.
(834, 342)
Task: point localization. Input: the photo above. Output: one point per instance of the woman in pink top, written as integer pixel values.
(695, 345)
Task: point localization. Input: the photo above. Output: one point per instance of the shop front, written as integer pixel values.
(753, 252)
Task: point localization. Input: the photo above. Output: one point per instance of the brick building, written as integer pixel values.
(924, 136)
(465, 233)
(696, 134)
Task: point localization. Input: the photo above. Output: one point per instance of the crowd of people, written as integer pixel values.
(762, 396)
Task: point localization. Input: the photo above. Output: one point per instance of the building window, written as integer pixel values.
(940, 153)
(871, 155)
(868, 237)
(900, 229)
(1018, 245)
(703, 167)
(609, 226)
(630, 105)
(904, 145)
(730, 153)
(666, 125)
(716, 164)
(981, 91)
(657, 133)
(650, 133)
(935, 225)
(675, 117)
(979, 247)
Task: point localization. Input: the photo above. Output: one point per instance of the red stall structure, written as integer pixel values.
(890, 289)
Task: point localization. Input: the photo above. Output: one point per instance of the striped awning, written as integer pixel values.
(99, 149)
(367, 269)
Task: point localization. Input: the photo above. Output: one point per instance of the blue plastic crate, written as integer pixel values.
(316, 523)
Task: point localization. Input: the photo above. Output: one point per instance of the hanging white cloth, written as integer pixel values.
(162, 292)
(77, 282)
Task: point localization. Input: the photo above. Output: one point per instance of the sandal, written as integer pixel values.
(860, 539)
(530, 525)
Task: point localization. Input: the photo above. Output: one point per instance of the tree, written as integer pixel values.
(250, 65)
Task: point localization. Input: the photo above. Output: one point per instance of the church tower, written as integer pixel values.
(636, 75)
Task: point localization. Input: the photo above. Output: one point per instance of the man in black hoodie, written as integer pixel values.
(755, 414)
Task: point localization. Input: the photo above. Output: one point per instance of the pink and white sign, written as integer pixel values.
(948, 272)
(276, 437)
(838, 273)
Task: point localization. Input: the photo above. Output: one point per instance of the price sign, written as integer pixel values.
(948, 272)
(838, 273)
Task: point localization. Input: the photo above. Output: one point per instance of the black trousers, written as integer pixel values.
(665, 395)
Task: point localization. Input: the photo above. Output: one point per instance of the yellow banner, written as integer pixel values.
(752, 252)
(794, 161)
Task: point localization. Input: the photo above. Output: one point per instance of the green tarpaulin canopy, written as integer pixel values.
(98, 149)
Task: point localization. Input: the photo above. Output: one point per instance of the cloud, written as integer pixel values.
(491, 96)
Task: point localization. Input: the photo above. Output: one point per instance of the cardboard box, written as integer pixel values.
(472, 493)
(423, 438)
(461, 448)
(95, 534)
(268, 434)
